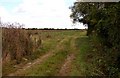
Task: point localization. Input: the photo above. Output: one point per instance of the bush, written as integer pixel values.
(103, 22)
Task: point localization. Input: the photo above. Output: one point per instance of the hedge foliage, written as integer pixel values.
(103, 20)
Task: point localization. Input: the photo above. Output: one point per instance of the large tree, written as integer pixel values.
(101, 18)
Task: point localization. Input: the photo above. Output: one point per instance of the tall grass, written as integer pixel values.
(17, 45)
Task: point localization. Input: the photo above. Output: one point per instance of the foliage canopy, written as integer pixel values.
(103, 20)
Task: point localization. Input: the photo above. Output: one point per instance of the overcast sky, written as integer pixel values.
(38, 13)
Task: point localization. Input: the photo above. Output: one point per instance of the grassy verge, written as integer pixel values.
(84, 64)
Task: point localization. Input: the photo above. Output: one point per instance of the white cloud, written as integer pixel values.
(4, 14)
(40, 14)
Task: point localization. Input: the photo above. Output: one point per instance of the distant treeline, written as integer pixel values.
(50, 29)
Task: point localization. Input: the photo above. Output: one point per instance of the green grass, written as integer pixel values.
(60, 43)
(49, 67)
(87, 62)
(53, 64)
(83, 64)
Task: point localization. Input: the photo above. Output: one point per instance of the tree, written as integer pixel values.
(104, 20)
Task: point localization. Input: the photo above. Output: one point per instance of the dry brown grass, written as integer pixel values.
(16, 44)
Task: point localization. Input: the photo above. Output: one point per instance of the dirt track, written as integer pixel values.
(65, 68)
(28, 65)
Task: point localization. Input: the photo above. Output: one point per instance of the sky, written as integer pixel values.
(38, 13)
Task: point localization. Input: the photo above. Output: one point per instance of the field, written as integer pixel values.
(94, 51)
(62, 53)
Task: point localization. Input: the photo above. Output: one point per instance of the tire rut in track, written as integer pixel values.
(66, 67)
(29, 65)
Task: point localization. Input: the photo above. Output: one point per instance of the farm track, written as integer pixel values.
(29, 65)
(40, 60)
(64, 54)
(66, 67)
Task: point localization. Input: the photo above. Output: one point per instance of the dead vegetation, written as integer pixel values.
(17, 43)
